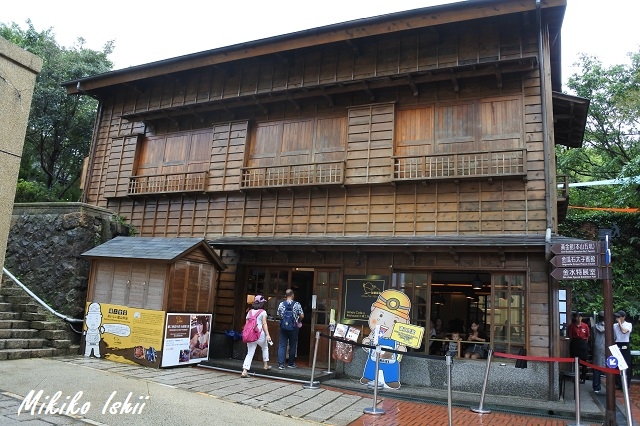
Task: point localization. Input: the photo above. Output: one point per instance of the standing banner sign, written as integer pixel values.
(186, 339)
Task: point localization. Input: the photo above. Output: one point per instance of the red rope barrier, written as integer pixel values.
(603, 369)
(549, 359)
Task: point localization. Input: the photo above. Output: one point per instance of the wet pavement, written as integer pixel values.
(204, 395)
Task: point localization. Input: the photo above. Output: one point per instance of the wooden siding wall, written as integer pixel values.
(442, 208)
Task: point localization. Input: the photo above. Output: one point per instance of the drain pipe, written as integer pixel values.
(37, 299)
(547, 191)
(545, 128)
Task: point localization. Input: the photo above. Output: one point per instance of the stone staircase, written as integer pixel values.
(29, 331)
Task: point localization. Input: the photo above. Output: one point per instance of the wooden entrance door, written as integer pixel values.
(326, 289)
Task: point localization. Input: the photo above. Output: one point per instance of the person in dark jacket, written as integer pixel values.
(578, 346)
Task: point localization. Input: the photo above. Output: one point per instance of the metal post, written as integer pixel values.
(625, 391)
(449, 399)
(481, 409)
(576, 368)
(329, 358)
(607, 291)
(312, 384)
(375, 410)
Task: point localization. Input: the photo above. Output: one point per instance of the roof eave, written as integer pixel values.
(365, 27)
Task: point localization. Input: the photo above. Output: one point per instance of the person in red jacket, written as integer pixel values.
(578, 347)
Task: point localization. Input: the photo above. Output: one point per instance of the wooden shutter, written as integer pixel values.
(120, 167)
(414, 131)
(370, 143)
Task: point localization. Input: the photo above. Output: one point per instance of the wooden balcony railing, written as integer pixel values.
(172, 182)
(329, 173)
(462, 165)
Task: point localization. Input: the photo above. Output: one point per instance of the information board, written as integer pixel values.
(359, 293)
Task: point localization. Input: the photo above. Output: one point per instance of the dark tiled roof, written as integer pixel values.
(150, 248)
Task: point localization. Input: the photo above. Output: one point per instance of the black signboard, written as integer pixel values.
(359, 293)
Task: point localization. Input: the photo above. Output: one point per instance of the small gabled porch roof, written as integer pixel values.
(154, 248)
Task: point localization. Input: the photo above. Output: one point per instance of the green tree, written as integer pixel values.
(60, 126)
(611, 147)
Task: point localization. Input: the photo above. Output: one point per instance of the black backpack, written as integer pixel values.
(287, 322)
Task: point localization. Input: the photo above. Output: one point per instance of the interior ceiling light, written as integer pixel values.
(477, 283)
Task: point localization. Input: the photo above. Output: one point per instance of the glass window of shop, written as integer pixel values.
(497, 303)
(507, 313)
(269, 282)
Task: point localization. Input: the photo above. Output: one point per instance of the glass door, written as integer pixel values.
(326, 291)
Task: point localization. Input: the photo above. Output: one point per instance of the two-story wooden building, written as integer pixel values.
(415, 148)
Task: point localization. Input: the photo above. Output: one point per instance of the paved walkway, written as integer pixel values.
(281, 402)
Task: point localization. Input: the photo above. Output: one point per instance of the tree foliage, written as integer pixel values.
(611, 147)
(60, 126)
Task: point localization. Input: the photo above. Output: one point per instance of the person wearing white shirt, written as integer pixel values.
(622, 333)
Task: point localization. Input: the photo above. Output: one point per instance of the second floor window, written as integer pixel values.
(177, 153)
(297, 141)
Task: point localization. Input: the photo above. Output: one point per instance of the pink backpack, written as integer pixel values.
(251, 331)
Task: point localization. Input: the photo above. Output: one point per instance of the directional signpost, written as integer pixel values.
(590, 260)
(576, 274)
(572, 260)
(576, 261)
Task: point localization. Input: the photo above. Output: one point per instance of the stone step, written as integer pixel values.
(26, 307)
(14, 323)
(52, 334)
(33, 316)
(5, 307)
(26, 353)
(23, 344)
(8, 290)
(18, 299)
(25, 333)
(72, 350)
(9, 315)
(46, 325)
(60, 344)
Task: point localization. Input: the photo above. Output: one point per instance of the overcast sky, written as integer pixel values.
(145, 31)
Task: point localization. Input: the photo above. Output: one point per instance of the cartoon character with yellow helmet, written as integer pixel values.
(391, 307)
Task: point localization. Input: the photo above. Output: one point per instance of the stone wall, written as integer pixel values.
(44, 248)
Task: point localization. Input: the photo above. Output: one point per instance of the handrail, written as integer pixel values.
(37, 299)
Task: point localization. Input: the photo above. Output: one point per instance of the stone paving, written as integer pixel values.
(327, 405)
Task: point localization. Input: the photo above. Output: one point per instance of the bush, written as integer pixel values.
(32, 192)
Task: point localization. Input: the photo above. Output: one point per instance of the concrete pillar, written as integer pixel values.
(18, 72)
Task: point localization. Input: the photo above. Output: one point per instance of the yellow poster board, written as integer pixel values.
(124, 334)
(407, 334)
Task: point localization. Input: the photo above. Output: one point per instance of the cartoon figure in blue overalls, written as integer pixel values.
(392, 306)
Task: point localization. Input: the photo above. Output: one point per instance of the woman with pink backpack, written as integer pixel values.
(256, 322)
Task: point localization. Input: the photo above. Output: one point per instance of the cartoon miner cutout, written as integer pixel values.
(94, 330)
(392, 306)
